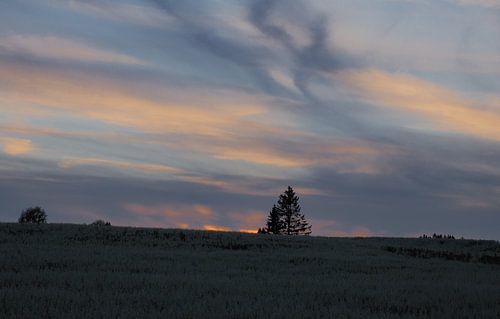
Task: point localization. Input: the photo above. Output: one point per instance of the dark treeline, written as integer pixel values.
(438, 236)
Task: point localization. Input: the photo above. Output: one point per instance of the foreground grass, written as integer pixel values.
(76, 271)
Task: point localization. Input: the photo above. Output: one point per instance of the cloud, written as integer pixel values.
(247, 185)
(348, 156)
(249, 221)
(241, 104)
(118, 103)
(145, 167)
(199, 217)
(447, 109)
(15, 146)
(356, 232)
(125, 12)
(215, 228)
(483, 3)
(172, 212)
(248, 231)
(467, 201)
(232, 126)
(331, 227)
(194, 216)
(311, 55)
(58, 48)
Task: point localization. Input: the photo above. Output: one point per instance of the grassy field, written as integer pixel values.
(77, 271)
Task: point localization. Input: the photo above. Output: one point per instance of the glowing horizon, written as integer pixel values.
(383, 115)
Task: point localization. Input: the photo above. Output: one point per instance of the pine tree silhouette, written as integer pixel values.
(286, 218)
(274, 223)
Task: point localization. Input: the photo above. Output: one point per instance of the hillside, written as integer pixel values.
(77, 271)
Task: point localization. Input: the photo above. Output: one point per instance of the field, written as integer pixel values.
(78, 271)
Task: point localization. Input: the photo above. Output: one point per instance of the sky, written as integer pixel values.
(383, 115)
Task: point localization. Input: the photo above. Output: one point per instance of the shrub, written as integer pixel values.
(100, 223)
(33, 215)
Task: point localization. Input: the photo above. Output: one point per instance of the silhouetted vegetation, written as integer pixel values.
(286, 218)
(33, 215)
(262, 231)
(100, 223)
(437, 236)
(275, 224)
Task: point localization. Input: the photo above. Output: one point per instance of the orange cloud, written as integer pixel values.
(215, 228)
(266, 158)
(349, 155)
(248, 220)
(15, 146)
(447, 109)
(68, 93)
(179, 216)
(248, 231)
(224, 125)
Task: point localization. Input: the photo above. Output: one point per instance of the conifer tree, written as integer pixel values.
(286, 218)
(274, 223)
(292, 221)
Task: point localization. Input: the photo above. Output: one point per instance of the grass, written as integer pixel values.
(78, 271)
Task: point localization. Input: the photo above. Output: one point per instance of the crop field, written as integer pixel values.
(79, 271)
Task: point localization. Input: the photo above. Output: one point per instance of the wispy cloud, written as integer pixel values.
(200, 113)
(483, 3)
(61, 49)
(226, 127)
(145, 167)
(447, 109)
(125, 12)
(114, 102)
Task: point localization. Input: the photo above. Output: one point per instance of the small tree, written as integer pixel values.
(274, 223)
(33, 215)
(294, 221)
(286, 218)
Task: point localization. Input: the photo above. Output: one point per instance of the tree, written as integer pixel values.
(294, 221)
(274, 224)
(33, 215)
(286, 218)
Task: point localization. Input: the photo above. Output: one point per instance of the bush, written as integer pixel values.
(100, 223)
(33, 215)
